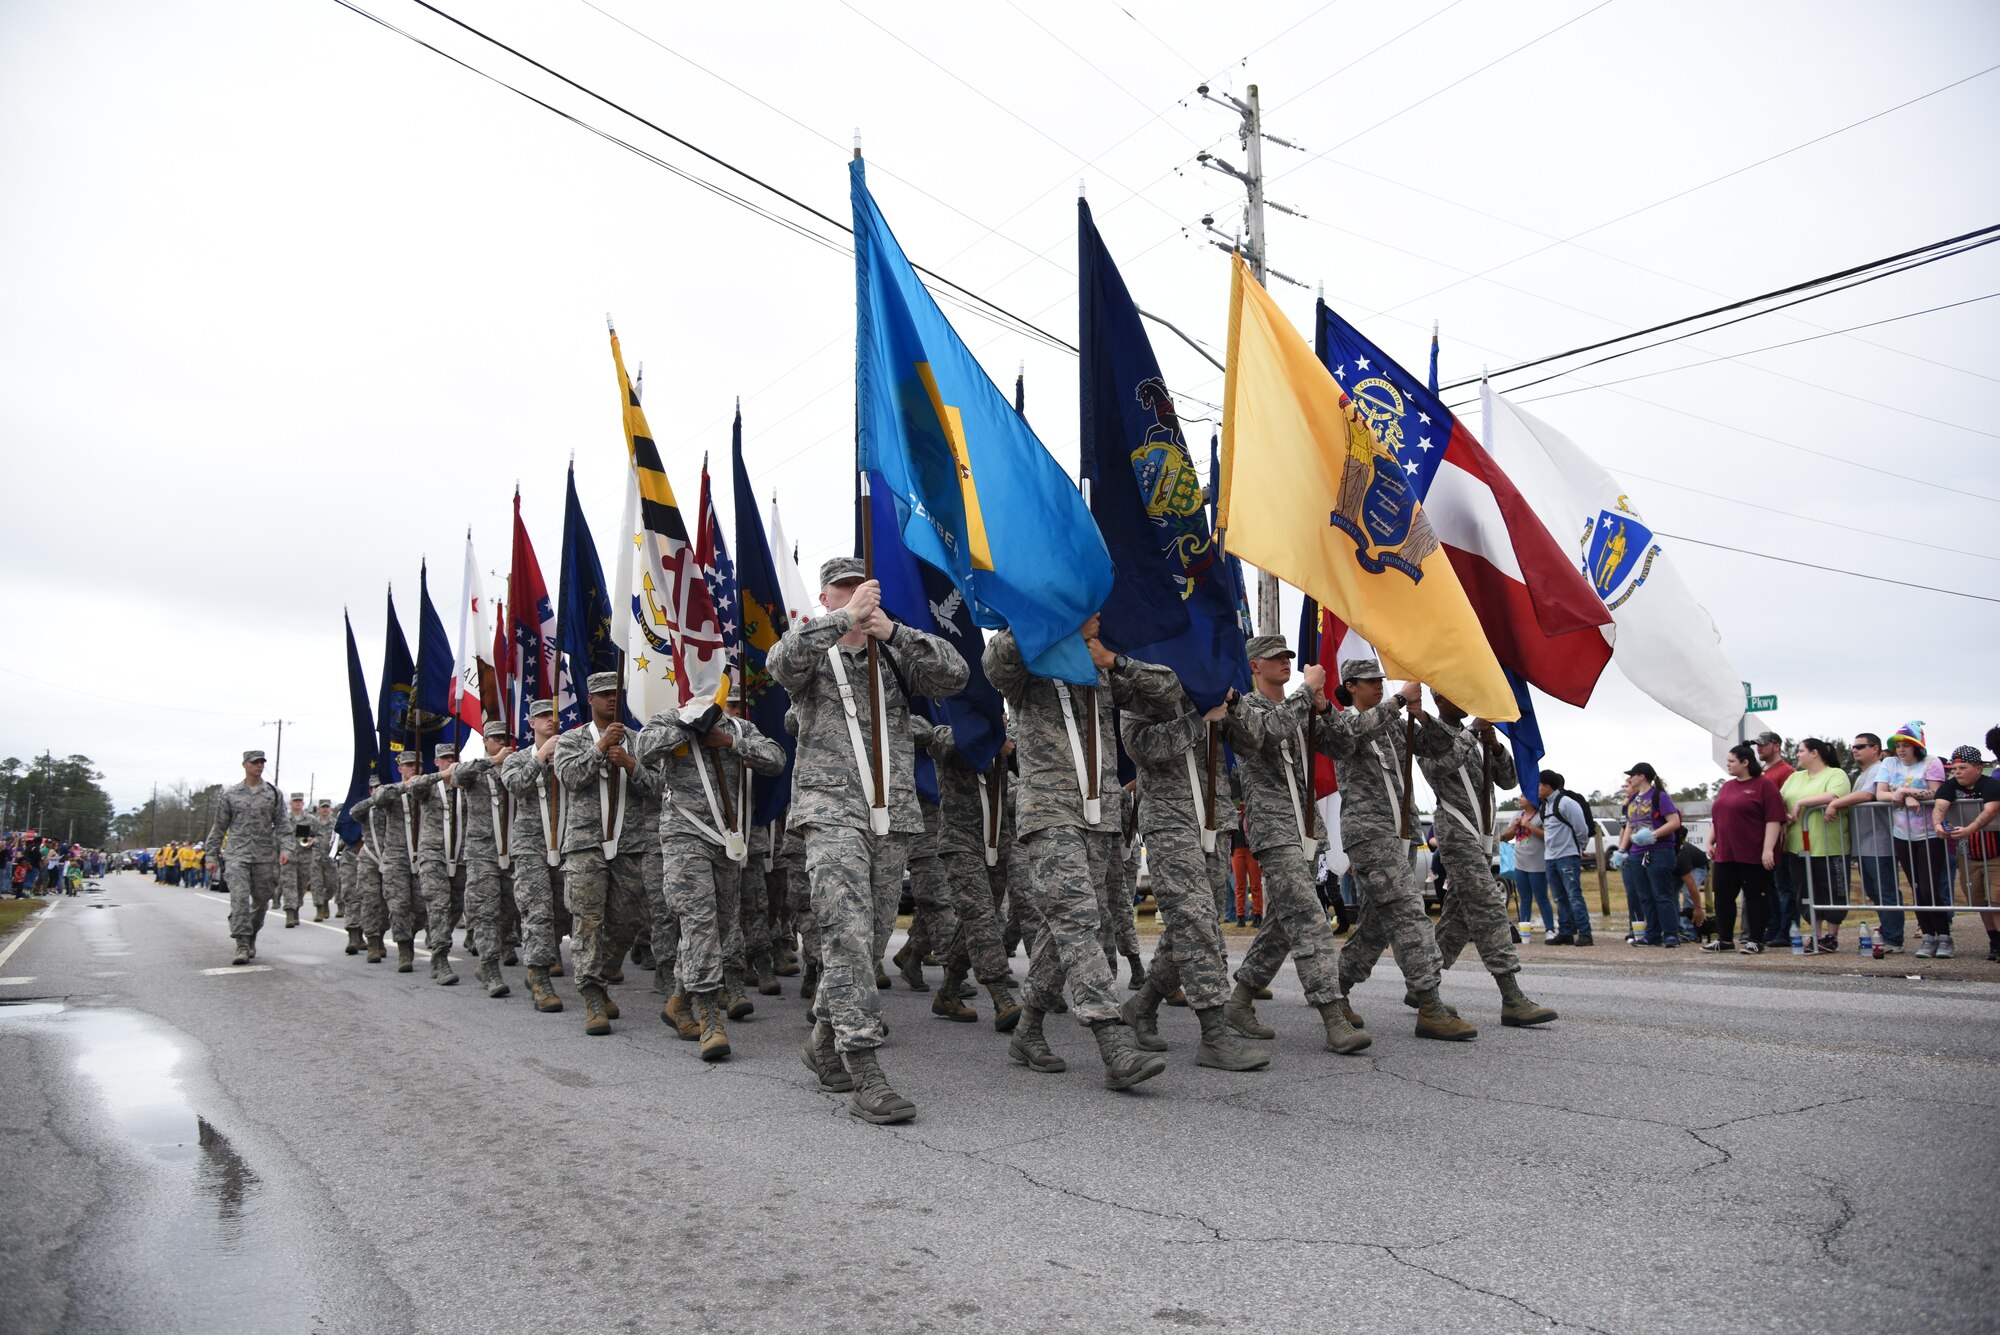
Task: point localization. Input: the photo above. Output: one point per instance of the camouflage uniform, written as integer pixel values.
(258, 828)
(962, 797)
(656, 926)
(1191, 956)
(381, 839)
(534, 789)
(935, 923)
(1117, 932)
(486, 881)
(602, 879)
(440, 856)
(1475, 905)
(1067, 856)
(702, 884)
(347, 872)
(1368, 746)
(1271, 742)
(798, 891)
(402, 816)
(852, 869)
(294, 879)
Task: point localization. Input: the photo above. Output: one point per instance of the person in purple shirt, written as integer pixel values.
(1649, 841)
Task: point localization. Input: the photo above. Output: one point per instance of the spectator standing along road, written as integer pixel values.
(1744, 824)
(1909, 780)
(1649, 841)
(1815, 847)
(1565, 827)
(1874, 850)
(1971, 784)
(1784, 894)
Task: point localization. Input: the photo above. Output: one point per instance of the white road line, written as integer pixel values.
(15, 982)
(228, 969)
(25, 933)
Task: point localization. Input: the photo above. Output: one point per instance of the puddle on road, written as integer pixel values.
(202, 1202)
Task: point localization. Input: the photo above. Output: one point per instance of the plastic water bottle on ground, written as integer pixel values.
(1798, 941)
(1867, 942)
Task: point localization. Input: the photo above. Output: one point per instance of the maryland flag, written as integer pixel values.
(670, 597)
(1310, 493)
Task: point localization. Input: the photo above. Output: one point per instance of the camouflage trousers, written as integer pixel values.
(535, 895)
(934, 926)
(346, 868)
(1065, 867)
(363, 898)
(1295, 923)
(606, 896)
(750, 940)
(852, 873)
(1117, 933)
(399, 895)
(1024, 910)
(798, 887)
(652, 897)
(295, 879)
(1475, 910)
(777, 901)
(250, 888)
(975, 946)
(444, 900)
(320, 872)
(486, 895)
(702, 890)
(1391, 917)
(1191, 956)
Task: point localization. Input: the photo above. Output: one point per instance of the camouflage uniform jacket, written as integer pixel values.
(256, 821)
(1160, 746)
(588, 776)
(828, 788)
(441, 805)
(961, 808)
(1263, 732)
(535, 789)
(381, 817)
(678, 762)
(1452, 767)
(1368, 746)
(1049, 795)
(479, 780)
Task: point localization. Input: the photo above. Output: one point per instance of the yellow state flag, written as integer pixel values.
(1309, 493)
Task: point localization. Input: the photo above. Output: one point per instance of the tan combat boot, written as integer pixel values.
(1030, 1046)
(822, 1057)
(1222, 1049)
(1142, 1011)
(406, 956)
(714, 1040)
(1241, 1012)
(320, 914)
(541, 993)
(291, 917)
(1516, 1011)
(1006, 1010)
(441, 971)
(1353, 1017)
(1341, 1035)
(354, 940)
(734, 1001)
(947, 1004)
(1124, 1065)
(1437, 1020)
(874, 1101)
(375, 951)
(679, 1012)
(595, 1022)
(492, 979)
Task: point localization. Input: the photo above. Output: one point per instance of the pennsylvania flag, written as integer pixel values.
(675, 595)
(976, 494)
(765, 619)
(1310, 493)
(1173, 601)
(392, 705)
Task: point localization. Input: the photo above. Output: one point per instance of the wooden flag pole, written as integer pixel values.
(879, 813)
(1209, 832)
(1409, 747)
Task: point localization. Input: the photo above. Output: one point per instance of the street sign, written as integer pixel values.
(1760, 704)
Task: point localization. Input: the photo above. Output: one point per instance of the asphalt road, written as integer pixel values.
(320, 1144)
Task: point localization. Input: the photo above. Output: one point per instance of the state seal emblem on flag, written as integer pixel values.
(1615, 546)
(1378, 507)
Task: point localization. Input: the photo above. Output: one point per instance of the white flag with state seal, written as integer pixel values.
(1666, 643)
(800, 605)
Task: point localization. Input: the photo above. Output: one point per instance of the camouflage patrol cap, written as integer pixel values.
(326, 801)
(445, 751)
(374, 782)
(1360, 669)
(542, 709)
(839, 570)
(1269, 646)
(298, 797)
(601, 682)
(497, 727)
(250, 756)
(408, 758)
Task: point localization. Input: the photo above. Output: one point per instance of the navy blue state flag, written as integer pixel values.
(583, 617)
(762, 606)
(392, 703)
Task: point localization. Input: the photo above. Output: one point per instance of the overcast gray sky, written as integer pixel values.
(291, 301)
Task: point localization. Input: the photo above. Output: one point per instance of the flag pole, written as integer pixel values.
(878, 812)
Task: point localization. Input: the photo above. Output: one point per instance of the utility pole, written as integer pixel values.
(1251, 135)
(278, 757)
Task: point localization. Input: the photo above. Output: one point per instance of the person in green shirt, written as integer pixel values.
(1815, 846)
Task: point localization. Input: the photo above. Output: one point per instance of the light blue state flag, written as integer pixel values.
(977, 495)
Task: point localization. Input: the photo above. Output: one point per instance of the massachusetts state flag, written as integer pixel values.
(1538, 612)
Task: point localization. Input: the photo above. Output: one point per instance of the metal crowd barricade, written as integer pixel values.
(1933, 868)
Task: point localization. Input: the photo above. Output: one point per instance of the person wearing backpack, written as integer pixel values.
(1565, 830)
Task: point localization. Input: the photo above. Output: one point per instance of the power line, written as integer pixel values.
(1851, 574)
(1989, 234)
(724, 163)
(1715, 180)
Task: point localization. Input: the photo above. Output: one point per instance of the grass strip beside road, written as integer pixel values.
(13, 912)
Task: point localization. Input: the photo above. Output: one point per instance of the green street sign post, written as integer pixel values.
(1760, 704)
